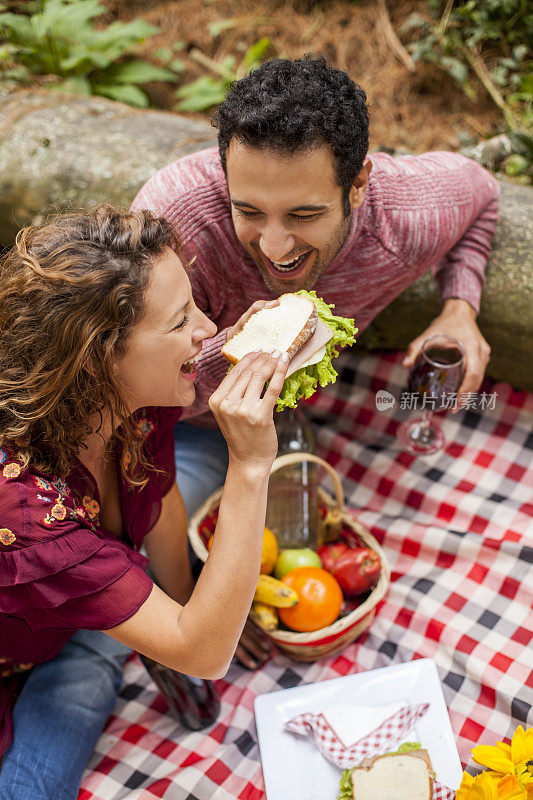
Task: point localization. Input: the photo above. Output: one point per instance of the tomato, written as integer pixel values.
(320, 599)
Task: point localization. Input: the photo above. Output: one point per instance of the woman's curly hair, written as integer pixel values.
(290, 106)
(71, 291)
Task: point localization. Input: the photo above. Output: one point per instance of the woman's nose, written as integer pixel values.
(205, 328)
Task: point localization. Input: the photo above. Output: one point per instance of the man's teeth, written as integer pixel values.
(289, 265)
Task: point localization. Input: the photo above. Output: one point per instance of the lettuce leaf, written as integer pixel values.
(304, 382)
(346, 792)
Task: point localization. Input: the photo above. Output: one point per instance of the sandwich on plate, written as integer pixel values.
(304, 326)
(405, 775)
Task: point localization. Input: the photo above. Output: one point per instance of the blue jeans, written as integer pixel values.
(59, 716)
(201, 456)
(66, 701)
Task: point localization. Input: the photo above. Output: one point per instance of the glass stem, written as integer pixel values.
(426, 419)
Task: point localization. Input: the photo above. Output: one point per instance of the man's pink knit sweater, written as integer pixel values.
(434, 211)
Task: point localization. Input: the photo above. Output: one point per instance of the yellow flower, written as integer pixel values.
(482, 787)
(489, 786)
(515, 759)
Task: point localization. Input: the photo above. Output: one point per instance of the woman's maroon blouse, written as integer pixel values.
(60, 569)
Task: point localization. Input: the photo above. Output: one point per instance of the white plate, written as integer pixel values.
(293, 766)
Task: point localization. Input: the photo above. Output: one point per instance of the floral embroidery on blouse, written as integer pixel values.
(44, 498)
(11, 668)
(3, 456)
(61, 485)
(42, 484)
(126, 459)
(79, 512)
(59, 511)
(7, 537)
(11, 470)
(143, 427)
(91, 506)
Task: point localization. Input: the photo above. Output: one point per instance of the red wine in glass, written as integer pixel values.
(192, 701)
(437, 373)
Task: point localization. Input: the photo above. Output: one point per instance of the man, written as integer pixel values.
(292, 201)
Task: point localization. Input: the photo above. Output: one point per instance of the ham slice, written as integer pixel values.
(319, 339)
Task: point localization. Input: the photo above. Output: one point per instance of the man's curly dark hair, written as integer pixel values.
(290, 106)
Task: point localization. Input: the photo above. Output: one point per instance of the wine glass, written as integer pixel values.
(437, 372)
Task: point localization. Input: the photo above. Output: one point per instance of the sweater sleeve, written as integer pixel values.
(461, 272)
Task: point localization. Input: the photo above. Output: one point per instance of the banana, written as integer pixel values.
(274, 593)
(264, 616)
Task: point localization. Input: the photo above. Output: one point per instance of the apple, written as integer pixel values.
(357, 571)
(295, 557)
(329, 553)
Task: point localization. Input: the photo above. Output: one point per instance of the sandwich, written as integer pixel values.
(304, 326)
(404, 775)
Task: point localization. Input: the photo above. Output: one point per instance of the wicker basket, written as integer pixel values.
(335, 521)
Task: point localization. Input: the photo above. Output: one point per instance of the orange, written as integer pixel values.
(320, 599)
(269, 553)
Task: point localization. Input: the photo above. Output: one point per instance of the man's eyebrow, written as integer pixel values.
(312, 207)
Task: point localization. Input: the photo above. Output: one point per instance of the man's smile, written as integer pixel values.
(287, 269)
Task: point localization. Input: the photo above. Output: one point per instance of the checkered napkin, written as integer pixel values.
(382, 739)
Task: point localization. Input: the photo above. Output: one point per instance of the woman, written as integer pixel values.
(98, 337)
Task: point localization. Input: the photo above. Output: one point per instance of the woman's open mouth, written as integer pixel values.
(189, 369)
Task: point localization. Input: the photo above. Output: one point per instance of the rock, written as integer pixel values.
(506, 315)
(59, 152)
(490, 153)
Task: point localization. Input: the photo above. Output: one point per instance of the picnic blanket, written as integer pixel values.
(457, 528)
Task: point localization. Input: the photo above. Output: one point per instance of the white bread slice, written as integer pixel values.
(285, 327)
(398, 776)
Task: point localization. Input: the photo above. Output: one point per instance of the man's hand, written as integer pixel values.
(457, 319)
(257, 306)
(254, 647)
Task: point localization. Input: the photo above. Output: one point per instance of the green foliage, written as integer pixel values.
(208, 91)
(484, 42)
(168, 56)
(58, 38)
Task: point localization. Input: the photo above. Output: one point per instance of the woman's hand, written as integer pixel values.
(257, 306)
(244, 409)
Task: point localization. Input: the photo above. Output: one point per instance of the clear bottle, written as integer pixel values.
(292, 509)
(194, 702)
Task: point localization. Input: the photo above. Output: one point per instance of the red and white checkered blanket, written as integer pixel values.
(457, 528)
